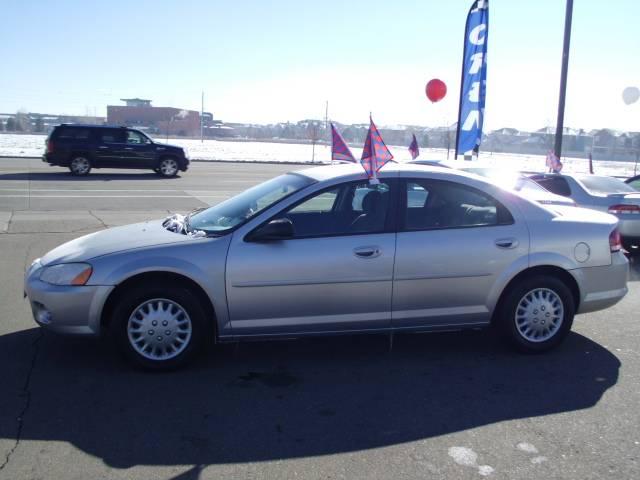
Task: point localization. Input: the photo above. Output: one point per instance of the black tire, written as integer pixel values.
(80, 165)
(539, 309)
(168, 167)
(176, 295)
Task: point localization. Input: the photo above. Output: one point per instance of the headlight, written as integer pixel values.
(186, 152)
(67, 274)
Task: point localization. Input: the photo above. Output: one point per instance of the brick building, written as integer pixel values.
(139, 113)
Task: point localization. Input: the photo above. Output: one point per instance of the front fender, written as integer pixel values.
(202, 261)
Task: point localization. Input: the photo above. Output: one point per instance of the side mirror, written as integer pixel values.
(280, 229)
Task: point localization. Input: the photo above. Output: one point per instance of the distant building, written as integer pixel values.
(139, 113)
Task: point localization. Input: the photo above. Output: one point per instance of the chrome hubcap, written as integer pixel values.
(169, 167)
(539, 315)
(159, 329)
(80, 165)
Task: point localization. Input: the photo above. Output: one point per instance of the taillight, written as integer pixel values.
(49, 146)
(624, 209)
(615, 241)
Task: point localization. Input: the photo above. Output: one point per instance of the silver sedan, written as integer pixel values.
(324, 251)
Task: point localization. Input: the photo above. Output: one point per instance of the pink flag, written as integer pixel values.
(553, 162)
(413, 148)
(339, 149)
(375, 153)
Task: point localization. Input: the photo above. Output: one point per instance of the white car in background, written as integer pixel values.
(599, 192)
(506, 178)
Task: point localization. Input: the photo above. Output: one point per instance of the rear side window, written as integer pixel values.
(112, 136)
(557, 185)
(72, 133)
(437, 205)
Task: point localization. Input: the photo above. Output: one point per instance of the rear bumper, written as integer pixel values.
(602, 287)
(53, 160)
(629, 228)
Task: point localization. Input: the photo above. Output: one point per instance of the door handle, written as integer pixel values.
(367, 252)
(102, 147)
(128, 148)
(507, 243)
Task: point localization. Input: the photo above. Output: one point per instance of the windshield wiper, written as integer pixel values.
(187, 219)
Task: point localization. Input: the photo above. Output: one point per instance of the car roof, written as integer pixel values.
(390, 170)
(87, 125)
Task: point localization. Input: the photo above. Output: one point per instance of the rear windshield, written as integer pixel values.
(604, 185)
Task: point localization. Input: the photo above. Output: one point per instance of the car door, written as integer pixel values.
(453, 244)
(109, 142)
(138, 151)
(334, 275)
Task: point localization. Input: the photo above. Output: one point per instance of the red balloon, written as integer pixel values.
(436, 90)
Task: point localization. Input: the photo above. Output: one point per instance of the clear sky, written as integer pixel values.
(269, 61)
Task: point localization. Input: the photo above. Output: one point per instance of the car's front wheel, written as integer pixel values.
(80, 166)
(168, 167)
(537, 313)
(159, 327)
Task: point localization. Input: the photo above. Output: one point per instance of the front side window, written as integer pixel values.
(135, 138)
(237, 210)
(438, 205)
(348, 209)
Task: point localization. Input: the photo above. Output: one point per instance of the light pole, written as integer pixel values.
(563, 78)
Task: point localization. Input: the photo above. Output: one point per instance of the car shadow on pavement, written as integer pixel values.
(265, 401)
(62, 176)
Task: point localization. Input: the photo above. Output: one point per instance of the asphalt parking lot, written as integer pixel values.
(448, 405)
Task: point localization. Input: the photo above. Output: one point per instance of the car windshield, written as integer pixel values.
(237, 210)
(605, 185)
(508, 180)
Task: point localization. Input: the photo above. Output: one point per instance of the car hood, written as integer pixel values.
(112, 240)
(168, 145)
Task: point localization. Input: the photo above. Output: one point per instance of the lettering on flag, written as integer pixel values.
(474, 78)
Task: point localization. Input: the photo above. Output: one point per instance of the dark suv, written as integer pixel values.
(83, 147)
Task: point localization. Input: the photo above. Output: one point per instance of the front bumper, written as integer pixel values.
(602, 287)
(65, 309)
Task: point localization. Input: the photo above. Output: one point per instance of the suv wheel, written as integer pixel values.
(159, 327)
(80, 166)
(168, 167)
(537, 313)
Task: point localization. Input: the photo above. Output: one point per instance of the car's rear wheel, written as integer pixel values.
(159, 327)
(168, 167)
(537, 313)
(80, 166)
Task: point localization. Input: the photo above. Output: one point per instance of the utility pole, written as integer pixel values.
(563, 78)
(202, 118)
(326, 118)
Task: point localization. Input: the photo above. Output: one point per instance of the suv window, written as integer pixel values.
(135, 138)
(435, 205)
(72, 133)
(109, 135)
(557, 185)
(348, 209)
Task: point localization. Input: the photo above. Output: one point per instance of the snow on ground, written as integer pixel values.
(33, 146)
